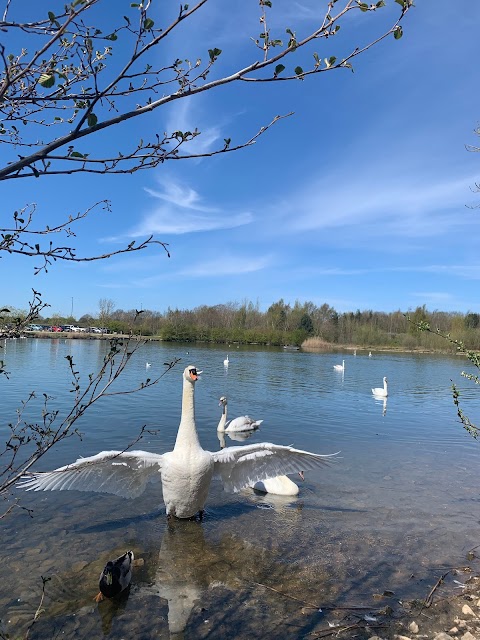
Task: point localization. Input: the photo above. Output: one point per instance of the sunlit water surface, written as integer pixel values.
(399, 506)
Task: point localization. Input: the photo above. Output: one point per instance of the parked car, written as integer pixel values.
(66, 327)
(94, 330)
(34, 327)
(56, 328)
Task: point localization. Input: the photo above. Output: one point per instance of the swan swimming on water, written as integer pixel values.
(242, 423)
(226, 361)
(185, 473)
(381, 392)
(339, 367)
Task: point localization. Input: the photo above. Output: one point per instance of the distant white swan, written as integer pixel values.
(369, 354)
(147, 365)
(226, 361)
(185, 473)
(339, 367)
(378, 391)
(242, 423)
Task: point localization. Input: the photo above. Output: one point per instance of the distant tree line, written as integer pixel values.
(283, 323)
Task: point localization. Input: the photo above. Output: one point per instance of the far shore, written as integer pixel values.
(315, 346)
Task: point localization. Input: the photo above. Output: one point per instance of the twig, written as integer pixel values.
(39, 610)
(329, 607)
(429, 599)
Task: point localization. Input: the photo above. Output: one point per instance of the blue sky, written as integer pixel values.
(358, 200)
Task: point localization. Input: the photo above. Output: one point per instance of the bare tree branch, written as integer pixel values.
(63, 82)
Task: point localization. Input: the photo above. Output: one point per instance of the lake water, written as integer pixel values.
(399, 507)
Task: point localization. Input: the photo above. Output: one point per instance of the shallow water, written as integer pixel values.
(400, 505)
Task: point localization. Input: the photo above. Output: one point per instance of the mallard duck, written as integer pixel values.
(185, 473)
(242, 423)
(116, 576)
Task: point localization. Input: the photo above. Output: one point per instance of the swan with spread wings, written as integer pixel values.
(185, 473)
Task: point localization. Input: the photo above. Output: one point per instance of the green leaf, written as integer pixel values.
(51, 16)
(47, 80)
(363, 6)
(398, 33)
(92, 119)
(76, 154)
(148, 24)
(298, 71)
(112, 36)
(379, 4)
(214, 53)
(278, 69)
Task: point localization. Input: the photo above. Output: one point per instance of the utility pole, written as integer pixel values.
(71, 312)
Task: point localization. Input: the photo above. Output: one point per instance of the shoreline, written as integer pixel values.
(324, 347)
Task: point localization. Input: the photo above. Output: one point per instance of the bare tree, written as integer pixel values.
(106, 307)
(79, 80)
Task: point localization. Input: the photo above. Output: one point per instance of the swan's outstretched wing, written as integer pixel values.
(240, 467)
(124, 474)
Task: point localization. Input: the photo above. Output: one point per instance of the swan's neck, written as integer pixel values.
(223, 419)
(187, 432)
(385, 385)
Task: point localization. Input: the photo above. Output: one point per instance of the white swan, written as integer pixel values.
(280, 486)
(226, 361)
(147, 365)
(369, 354)
(378, 391)
(185, 472)
(339, 367)
(242, 423)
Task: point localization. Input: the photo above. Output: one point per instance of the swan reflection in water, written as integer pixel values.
(381, 400)
(190, 568)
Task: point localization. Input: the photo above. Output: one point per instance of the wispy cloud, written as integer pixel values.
(226, 266)
(434, 297)
(181, 211)
(184, 116)
(406, 208)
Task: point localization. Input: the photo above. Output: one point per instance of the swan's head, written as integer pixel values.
(191, 374)
(223, 401)
(384, 381)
